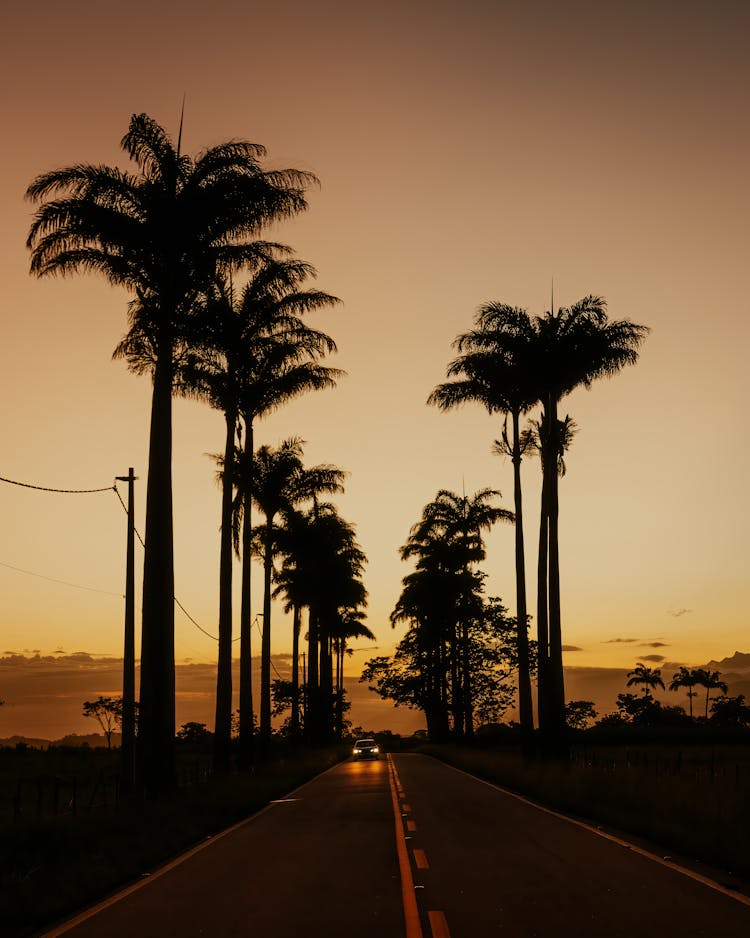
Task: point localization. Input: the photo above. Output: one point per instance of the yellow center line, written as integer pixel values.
(420, 858)
(405, 808)
(438, 925)
(411, 912)
(411, 826)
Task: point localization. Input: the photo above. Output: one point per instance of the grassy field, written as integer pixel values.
(692, 800)
(51, 865)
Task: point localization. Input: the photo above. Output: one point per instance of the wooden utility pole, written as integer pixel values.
(128, 664)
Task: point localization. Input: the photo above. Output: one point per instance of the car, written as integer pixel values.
(366, 749)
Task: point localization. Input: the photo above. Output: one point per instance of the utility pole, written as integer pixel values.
(128, 663)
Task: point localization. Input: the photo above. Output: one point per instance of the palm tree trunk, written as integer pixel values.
(542, 620)
(312, 717)
(525, 705)
(468, 709)
(156, 747)
(265, 652)
(296, 628)
(223, 722)
(246, 614)
(557, 680)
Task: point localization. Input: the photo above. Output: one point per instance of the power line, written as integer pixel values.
(51, 579)
(255, 623)
(44, 488)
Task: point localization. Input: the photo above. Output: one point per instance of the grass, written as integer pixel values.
(693, 801)
(51, 867)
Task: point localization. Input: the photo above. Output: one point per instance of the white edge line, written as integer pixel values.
(161, 870)
(698, 877)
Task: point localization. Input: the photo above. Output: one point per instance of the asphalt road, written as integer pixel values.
(410, 848)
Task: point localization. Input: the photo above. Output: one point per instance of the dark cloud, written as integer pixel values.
(571, 648)
(618, 641)
(678, 612)
(654, 645)
(655, 658)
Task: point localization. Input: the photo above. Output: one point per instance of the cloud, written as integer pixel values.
(618, 641)
(571, 648)
(654, 645)
(655, 658)
(678, 612)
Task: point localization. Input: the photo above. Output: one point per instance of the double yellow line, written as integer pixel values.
(438, 923)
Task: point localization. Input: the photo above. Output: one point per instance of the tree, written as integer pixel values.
(162, 233)
(730, 711)
(419, 673)
(647, 677)
(574, 346)
(280, 482)
(493, 370)
(458, 521)
(685, 677)
(108, 714)
(711, 680)
(193, 732)
(579, 713)
(255, 354)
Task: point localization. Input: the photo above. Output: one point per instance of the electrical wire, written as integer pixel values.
(51, 579)
(44, 488)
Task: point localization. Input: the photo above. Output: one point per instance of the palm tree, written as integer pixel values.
(711, 680)
(494, 371)
(686, 677)
(536, 436)
(280, 483)
(162, 232)
(255, 354)
(647, 677)
(574, 346)
(460, 520)
(349, 625)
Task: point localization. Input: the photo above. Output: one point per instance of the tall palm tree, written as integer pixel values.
(537, 434)
(460, 519)
(647, 677)
(686, 677)
(574, 346)
(711, 680)
(280, 483)
(495, 370)
(161, 232)
(255, 354)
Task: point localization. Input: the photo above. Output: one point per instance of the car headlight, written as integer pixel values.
(376, 749)
(357, 752)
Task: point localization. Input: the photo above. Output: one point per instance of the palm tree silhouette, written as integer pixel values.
(162, 232)
(460, 520)
(494, 370)
(711, 680)
(574, 346)
(686, 677)
(647, 677)
(255, 354)
(280, 483)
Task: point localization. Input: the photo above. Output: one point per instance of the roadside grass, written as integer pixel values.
(694, 801)
(51, 867)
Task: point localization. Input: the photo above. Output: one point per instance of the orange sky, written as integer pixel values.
(467, 152)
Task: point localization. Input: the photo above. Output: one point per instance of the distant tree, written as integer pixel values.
(686, 677)
(730, 711)
(640, 711)
(647, 677)
(108, 713)
(579, 713)
(192, 732)
(711, 680)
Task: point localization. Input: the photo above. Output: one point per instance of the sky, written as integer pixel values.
(466, 152)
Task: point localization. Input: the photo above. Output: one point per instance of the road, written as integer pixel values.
(410, 848)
